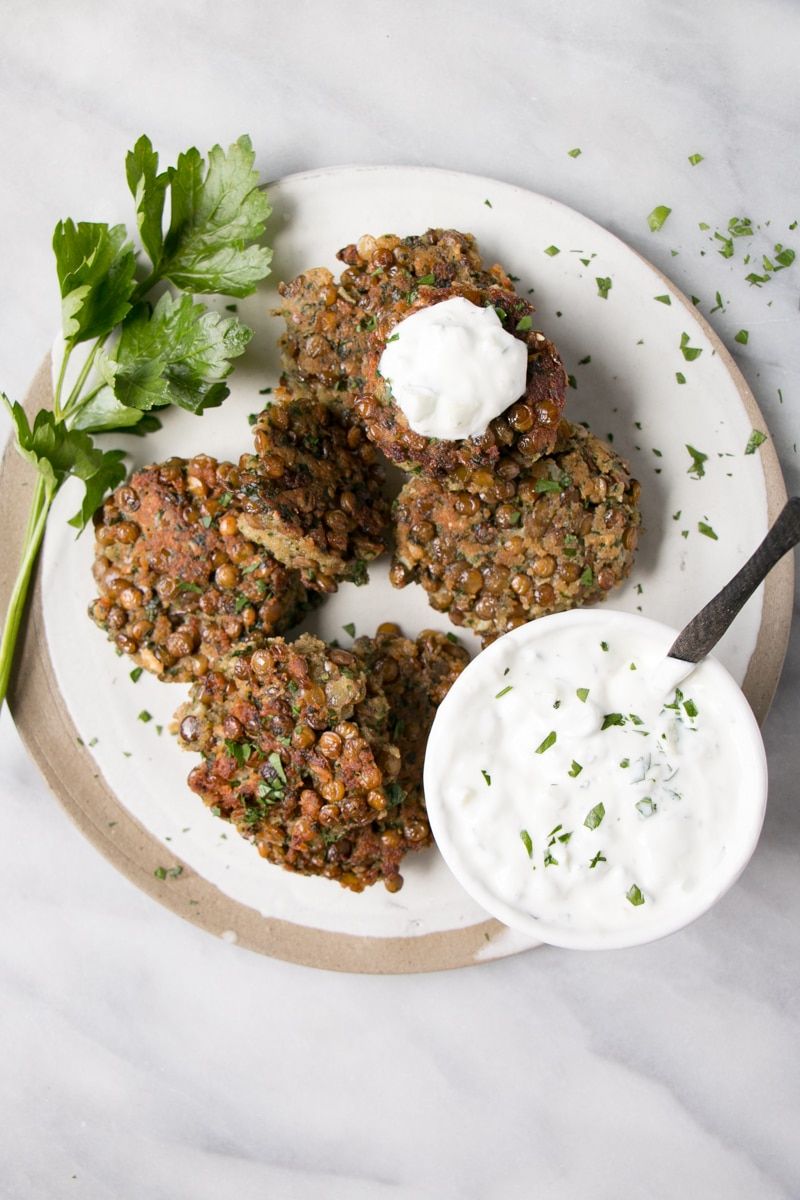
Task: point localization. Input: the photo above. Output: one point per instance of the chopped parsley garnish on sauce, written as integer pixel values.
(645, 807)
(604, 286)
(604, 646)
(594, 816)
(598, 858)
(168, 872)
(574, 153)
(634, 895)
(136, 674)
(549, 741)
(552, 251)
(350, 628)
(719, 306)
(742, 337)
(694, 159)
(663, 299)
(681, 378)
(525, 838)
(487, 779)
(582, 362)
(624, 762)
(707, 531)
(145, 716)
(504, 691)
(690, 353)
(690, 708)
(657, 217)
(575, 769)
(612, 719)
(698, 459)
(488, 203)
(582, 694)
(756, 439)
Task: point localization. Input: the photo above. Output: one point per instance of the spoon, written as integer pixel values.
(703, 632)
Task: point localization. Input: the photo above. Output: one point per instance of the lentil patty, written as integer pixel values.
(329, 321)
(313, 493)
(303, 751)
(514, 544)
(179, 584)
(529, 427)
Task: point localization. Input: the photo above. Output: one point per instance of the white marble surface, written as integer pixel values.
(139, 1055)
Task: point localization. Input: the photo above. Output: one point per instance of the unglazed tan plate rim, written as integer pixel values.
(52, 740)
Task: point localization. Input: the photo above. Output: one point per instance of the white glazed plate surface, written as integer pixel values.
(628, 391)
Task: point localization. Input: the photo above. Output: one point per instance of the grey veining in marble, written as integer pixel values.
(140, 1057)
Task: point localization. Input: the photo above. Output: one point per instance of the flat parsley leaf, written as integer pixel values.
(57, 452)
(95, 265)
(178, 353)
(216, 215)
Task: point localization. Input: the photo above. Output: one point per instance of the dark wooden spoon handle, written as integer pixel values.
(703, 632)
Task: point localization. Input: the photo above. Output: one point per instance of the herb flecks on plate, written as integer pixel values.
(165, 350)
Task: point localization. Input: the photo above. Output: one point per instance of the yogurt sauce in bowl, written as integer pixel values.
(578, 800)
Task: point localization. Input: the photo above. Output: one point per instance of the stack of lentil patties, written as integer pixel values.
(315, 753)
(312, 752)
(533, 516)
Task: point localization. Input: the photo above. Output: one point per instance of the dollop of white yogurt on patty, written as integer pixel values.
(452, 369)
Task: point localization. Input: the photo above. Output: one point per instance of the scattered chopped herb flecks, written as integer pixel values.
(136, 674)
(698, 459)
(574, 153)
(575, 769)
(694, 159)
(549, 741)
(634, 895)
(657, 217)
(582, 362)
(702, 527)
(645, 807)
(624, 762)
(681, 378)
(604, 646)
(525, 838)
(598, 858)
(587, 577)
(547, 485)
(488, 203)
(350, 628)
(742, 337)
(451, 637)
(756, 439)
(690, 353)
(604, 286)
(663, 299)
(572, 381)
(145, 716)
(549, 861)
(486, 778)
(524, 324)
(168, 872)
(240, 751)
(504, 691)
(552, 251)
(595, 816)
(582, 694)
(612, 719)
(189, 587)
(690, 708)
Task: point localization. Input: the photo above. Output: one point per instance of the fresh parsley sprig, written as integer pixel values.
(148, 343)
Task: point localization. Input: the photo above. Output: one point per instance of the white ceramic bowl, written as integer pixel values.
(741, 728)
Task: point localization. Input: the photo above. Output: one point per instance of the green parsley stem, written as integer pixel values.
(75, 402)
(40, 507)
(57, 411)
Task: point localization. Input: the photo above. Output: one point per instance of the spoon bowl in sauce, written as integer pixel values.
(578, 801)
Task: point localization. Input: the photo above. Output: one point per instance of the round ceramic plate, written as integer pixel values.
(123, 780)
